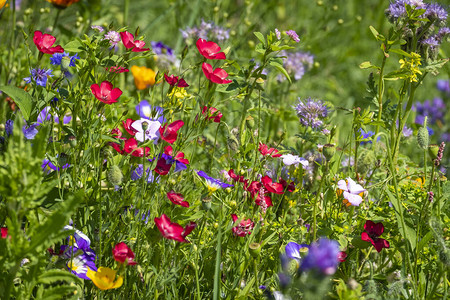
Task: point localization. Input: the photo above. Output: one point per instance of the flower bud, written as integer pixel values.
(255, 249)
(206, 203)
(65, 63)
(433, 151)
(423, 136)
(328, 151)
(115, 175)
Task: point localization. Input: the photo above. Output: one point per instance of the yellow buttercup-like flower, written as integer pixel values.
(62, 3)
(2, 3)
(105, 278)
(143, 77)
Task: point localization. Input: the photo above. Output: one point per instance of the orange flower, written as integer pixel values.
(62, 3)
(143, 77)
(2, 3)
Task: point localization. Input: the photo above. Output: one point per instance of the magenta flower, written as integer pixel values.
(105, 92)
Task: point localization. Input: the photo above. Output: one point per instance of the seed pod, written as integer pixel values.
(423, 136)
(115, 175)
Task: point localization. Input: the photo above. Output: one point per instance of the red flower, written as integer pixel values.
(263, 200)
(105, 92)
(342, 256)
(122, 254)
(264, 150)
(290, 187)
(178, 157)
(117, 69)
(163, 166)
(273, 187)
(127, 125)
(217, 76)
(169, 132)
(243, 228)
(173, 231)
(131, 146)
(209, 50)
(371, 234)
(235, 177)
(129, 42)
(177, 199)
(44, 43)
(174, 81)
(213, 114)
(4, 231)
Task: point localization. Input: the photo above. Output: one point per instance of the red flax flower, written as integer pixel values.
(174, 81)
(4, 232)
(371, 234)
(173, 231)
(123, 254)
(169, 132)
(105, 92)
(44, 43)
(129, 42)
(163, 166)
(264, 150)
(209, 50)
(243, 228)
(177, 199)
(273, 187)
(217, 76)
(235, 177)
(212, 114)
(131, 147)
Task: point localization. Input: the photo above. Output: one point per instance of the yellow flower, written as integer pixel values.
(2, 3)
(412, 66)
(178, 93)
(105, 278)
(62, 3)
(143, 77)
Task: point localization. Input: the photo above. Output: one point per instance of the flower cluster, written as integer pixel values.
(206, 30)
(296, 64)
(434, 110)
(311, 112)
(211, 50)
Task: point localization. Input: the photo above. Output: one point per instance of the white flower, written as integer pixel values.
(289, 159)
(151, 131)
(351, 191)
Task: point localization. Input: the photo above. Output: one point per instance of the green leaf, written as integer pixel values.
(260, 37)
(408, 233)
(53, 276)
(73, 46)
(280, 68)
(375, 33)
(401, 52)
(368, 65)
(58, 292)
(21, 98)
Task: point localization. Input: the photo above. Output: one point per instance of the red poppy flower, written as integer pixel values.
(173, 231)
(105, 92)
(4, 231)
(178, 157)
(243, 228)
(209, 50)
(371, 234)
(44, 43)
(217, 76)
(163, 166)
(273, 187)
(342, 256)
(169, 132)
(213, 114)
(235, 177)
(177, 199)
(174, 81)
(122, 254)
(129, 42)
(131, 147)
(264, 150)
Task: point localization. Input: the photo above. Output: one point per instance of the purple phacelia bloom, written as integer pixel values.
(445, 137)
(443, 86)
(431, 42)
(98, 28)
(436, 12)
(397, 9)
(407, 132)
(9, 127)
(207, 31)
(311, 112)
(56, 58)
(322, 257)
(293, 35)
(296, 63)
(113, 37)
(40, 76)
(434, 110)
(443, 33)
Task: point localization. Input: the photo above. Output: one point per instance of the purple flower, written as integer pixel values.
(146, 130)
(431, 42)
(9, 125)
(139, 170)
(445, 137)
(155, 113)
(293, 35)
(433, 110)
(98, 28)
(436, 12)
(397, 9)
(296, 63)
(30, 131)
(443, 86)
(365, 136)
(56, 58)
(48, 166)
(113, 37)
(213, 184)
(311, 112)
(165, 55)
(407, 132)
(322, 256)
(207, 31)
(45, 115)
(277, 34)
(293, 250)
(160, 48)
(443, 33)
(39, 76)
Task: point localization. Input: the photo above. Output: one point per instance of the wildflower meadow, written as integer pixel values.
(224, 149)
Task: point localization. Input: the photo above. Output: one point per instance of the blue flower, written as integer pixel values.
(213, 184)
(365, 136)
(40, 76)
(293, 250)
(138, 172)
(311, 112)
(30, 131)
(57, 58)
(322, 257)
(9, 127)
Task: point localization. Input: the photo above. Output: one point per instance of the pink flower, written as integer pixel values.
(371, 234)
(213, 114)
(264, 150)
(342, 256)
(163, 166)
(243, 228)
(177, 199)
(169, 132)
(129, 42)
(105, 92)
(117, 69)
(174, 81)
(4, 232)
(131, 147)
(44, 43)
(235, 177)
(123, 254)
(217, 76)
(209, 50)
(173, 231)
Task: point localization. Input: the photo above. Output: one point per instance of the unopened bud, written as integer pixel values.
(115, 175)
(423, 136)
(328, 151)
(206, 203)
(65, 63)
(433, 151)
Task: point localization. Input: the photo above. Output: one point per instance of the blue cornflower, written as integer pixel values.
(322, 256)
(56, 58)
(9, 127)
(40, 76)
(311, 112)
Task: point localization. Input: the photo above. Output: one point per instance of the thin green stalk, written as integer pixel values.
(380, 94)
(315, 202)
(216, 290)
(125, 11)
